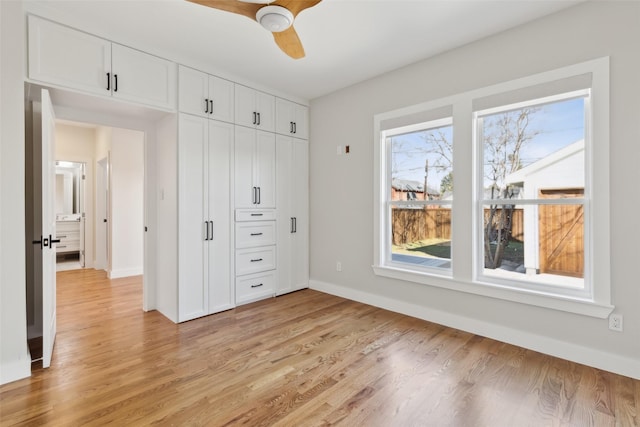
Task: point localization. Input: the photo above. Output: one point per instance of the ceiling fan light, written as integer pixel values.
(274, 18)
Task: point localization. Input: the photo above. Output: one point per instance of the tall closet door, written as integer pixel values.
(300, 211)
(193, 289)
(221, 295)
(265, 169)
(284, 213)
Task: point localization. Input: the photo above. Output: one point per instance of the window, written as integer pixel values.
(419, 196)
(532, 193)
(530, 218)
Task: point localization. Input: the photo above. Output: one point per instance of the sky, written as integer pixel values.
(560, 124)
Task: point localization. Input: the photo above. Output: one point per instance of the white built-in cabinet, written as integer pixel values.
(69, 58)
(292, 119)
(232, 177)
(205, 279)
(254, 109)
(205, 95)
(292, 166)
(254, 168)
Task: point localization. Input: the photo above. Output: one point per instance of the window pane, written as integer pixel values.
(422, 160)
(533, 148)
(538, 243)
(421, 236)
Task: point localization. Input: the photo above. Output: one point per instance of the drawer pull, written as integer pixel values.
(61, 246)
(255, 214)
(61, 237)
(256, 286)
(256, 260)
(256, 234)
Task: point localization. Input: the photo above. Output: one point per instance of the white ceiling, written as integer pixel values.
(346, 41)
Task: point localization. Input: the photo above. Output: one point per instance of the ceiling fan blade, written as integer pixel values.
(241, 8)
(296, 6)
(289, 42)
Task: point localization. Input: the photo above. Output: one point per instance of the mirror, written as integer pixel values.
(68, 187)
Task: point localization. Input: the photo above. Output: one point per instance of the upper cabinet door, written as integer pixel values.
(221, 99)
(62, 56)
(205, 95)
(194, 88)
(254, 108)
(291, 119)
(143, 78)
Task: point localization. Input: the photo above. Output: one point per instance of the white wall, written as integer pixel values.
(14, 356)
(342, 215)
(127, 196)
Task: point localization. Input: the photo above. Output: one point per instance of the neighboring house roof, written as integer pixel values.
(409, 185)
(555, 157)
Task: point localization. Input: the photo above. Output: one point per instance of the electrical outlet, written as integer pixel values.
(615, 322)
(338, 266)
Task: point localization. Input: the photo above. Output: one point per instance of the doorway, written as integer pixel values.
(121, 136)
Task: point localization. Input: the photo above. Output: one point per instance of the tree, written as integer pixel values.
(503, 136)
(446, 185)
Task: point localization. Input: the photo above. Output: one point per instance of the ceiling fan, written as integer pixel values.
(276, 16)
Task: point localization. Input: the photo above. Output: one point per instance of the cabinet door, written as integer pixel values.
(143, 78)
(244, 187)
(221, 282)
(284, 219)
(265, 106)
(300, 212)
(62, 56)
(265, 169)
(293, 214)
(193, 290)
(301, 121)
(193, 87)
(245, 106)
(222, 94)
(284, 116)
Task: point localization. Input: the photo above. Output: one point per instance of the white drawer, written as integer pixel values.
(252, 234)
(67, 226)
(67, 235)
(68, 246)
(255, 214)
(255, 286)
(254, 260)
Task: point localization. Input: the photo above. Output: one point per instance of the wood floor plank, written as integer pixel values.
(302, 359)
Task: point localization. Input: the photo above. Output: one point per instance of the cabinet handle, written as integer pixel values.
(259, 195)
(256, 260)
(211, 222)
(255, 196)
(295, 127)
(206, 105)
(292, 225)
(256, 234)
(62, 246)
(257, 286)
(108, 81)
(258, 119)
(62, 237)
(295, 224)
(115, 83)
(206, 231)
(255, 118)
(290, 127)
(211, 109)
(256, 214)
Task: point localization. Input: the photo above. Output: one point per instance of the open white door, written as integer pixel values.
(48, 230)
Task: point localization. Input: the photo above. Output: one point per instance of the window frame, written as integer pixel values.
(464, 275)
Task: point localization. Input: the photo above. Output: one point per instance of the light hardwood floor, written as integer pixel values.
(303, 359)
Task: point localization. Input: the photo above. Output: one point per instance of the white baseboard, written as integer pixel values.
(585, 355)
(124, 272)
(16, 370)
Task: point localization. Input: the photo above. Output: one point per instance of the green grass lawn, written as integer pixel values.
(441, 248)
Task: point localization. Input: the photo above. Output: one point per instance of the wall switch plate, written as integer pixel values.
(615, 322)
(338, 266)
(339, 150)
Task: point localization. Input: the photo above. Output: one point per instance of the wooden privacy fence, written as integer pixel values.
(410, 225)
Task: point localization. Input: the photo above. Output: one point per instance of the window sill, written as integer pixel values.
(523, 296)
